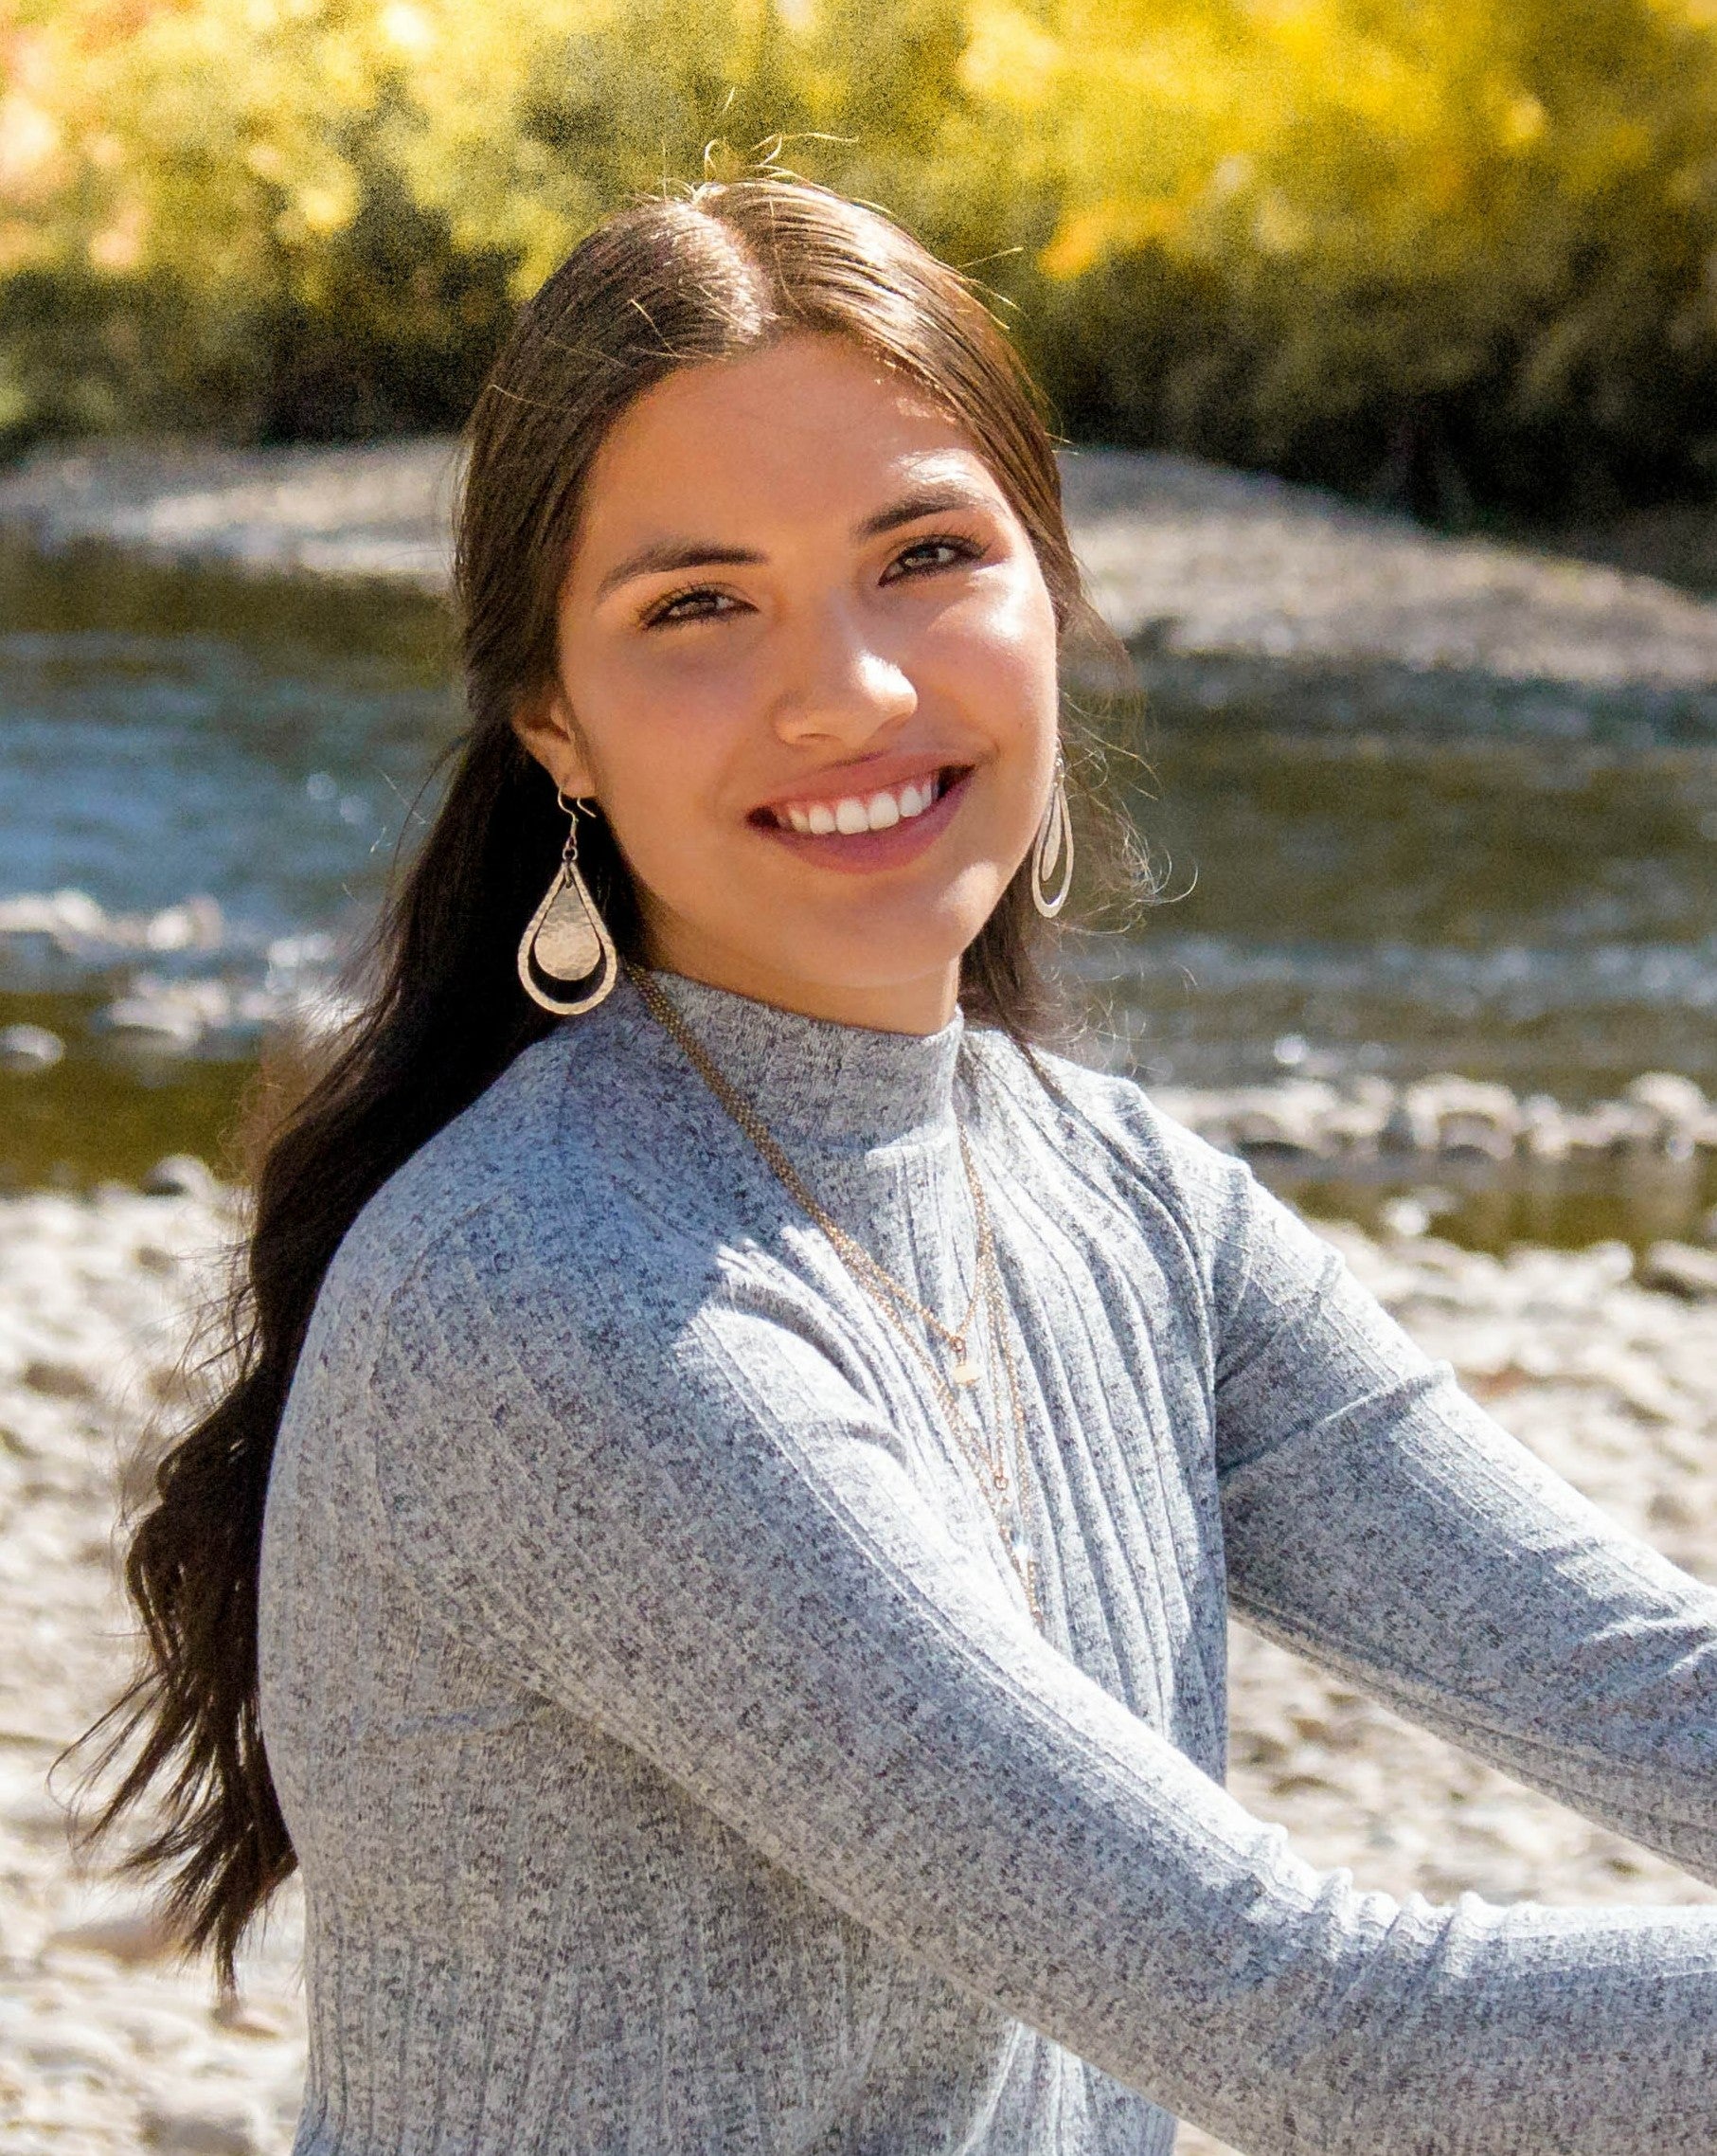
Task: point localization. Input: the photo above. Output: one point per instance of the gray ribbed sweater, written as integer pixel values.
(674, 1767)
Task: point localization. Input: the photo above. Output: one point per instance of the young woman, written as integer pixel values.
(715, 1561)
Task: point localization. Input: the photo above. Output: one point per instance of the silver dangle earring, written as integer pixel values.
(1053, 848)
(568, 941)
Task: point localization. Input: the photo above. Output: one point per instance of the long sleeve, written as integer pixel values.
(660, 1496)
(1379, 1521)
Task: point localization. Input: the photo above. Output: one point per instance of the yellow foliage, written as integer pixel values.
(1008, 61)
(1086, 237)
(1362, 126)
(1372, 200)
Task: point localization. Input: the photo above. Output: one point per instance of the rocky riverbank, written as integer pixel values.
(106, 2046)
(1233, 589)
(1448, 1118)
(1407, 1155)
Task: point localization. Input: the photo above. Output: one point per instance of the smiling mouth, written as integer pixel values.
(849, 815)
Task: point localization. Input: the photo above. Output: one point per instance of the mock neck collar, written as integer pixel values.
(813, 1078)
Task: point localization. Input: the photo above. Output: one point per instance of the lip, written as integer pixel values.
(861, 852)
(871, 775)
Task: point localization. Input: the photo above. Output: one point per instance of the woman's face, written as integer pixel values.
(807, 665)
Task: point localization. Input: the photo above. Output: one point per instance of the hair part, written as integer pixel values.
(717, 272)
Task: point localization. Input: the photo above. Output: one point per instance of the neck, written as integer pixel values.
(922, 1004)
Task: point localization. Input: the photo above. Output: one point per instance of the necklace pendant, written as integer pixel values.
(1019, 1544)
(965, 1371)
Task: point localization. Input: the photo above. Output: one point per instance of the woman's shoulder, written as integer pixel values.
(561, 1162)
(1102, 1123)
(1098, 1133)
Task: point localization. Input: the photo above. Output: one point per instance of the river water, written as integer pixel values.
(218, 772)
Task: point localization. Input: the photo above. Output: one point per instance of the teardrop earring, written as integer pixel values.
(1054, 845)
(568, 940)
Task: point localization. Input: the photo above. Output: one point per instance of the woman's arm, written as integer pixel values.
(1379, 1521)
(678, 1519)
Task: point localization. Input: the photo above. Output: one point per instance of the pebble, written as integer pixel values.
(59, 1380)
(230, 2133)
(27, 1049)
(180, 1174)
(108, 2045)
(1682, 1269)
(177, 1013)
(141, 1937)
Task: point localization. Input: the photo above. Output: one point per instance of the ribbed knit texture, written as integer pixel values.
(675, 1769)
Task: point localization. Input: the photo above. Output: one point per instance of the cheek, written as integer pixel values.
(995, 655)
(663, 744)
(661, 733)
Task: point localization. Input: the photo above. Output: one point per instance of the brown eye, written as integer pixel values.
(700, 603)
(925, 556)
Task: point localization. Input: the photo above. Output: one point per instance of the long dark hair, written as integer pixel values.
(720, 270)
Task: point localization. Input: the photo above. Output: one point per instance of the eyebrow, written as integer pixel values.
(670, 554)
(927, 501)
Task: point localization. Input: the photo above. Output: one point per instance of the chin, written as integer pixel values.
(884, 949)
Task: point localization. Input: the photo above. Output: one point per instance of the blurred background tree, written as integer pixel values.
(1455, 255)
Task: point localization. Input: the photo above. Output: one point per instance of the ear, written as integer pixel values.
(547, 730)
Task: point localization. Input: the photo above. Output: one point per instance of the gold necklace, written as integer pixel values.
(887, 1292)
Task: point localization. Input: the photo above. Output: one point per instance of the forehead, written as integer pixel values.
(810, 431)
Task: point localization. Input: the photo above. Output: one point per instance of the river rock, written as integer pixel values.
(141, 1935)
(1681, 1268)
(1293, 1117)
(177, 1013)
(1674, 1108)
(1452, 1115)
(28, 1048)
(228, 2133)
(182, 1175)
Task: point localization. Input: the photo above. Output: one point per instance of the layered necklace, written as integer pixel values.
(955, 1379)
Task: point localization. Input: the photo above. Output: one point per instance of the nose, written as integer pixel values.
(836, 685)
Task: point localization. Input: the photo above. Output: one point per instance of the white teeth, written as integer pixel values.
(880, 812)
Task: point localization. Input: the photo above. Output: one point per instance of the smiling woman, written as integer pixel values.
(716, 1556)
(797, 584)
